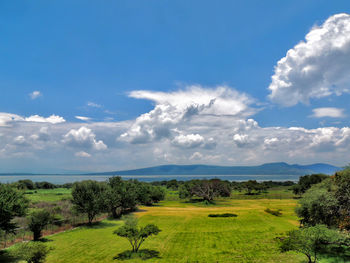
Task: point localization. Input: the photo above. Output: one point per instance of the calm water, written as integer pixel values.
(61, 179)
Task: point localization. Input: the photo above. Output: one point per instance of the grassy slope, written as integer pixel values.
(188, 235)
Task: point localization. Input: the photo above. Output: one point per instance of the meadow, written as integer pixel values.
(48, 195)
(188, 234)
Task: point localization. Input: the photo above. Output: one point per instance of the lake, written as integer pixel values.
(61, 179)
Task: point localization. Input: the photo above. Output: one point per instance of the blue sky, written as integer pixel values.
(89, 59)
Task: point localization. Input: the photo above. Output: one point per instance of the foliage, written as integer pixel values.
(119, 196)
(12, 204)
(88, 197)
(205, 189)
(222, 215)
(310, 240)
(252, 186)
(136, 235)
(38, 220)
(319, 206)
(146, 194)
(32, 252)
(305, 182)
(276, 212)
(327, 202)
(342, 195)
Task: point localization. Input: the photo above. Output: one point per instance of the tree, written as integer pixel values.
(310, 240)
(136, 235)
(12, 204)
(32, 252)
(252, 185)
(119, 196)
(205, 189)
(25, 184)
(305, 182)
(146, 194)
(319, 206)
(38, 220)
(88, 198)
(342, 195)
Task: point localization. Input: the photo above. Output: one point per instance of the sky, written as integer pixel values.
(112, 85)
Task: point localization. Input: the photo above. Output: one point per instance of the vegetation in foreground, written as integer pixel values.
(188, 234)
(211, 221)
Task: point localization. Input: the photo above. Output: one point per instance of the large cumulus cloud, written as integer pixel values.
(173, 109)
(316, 67)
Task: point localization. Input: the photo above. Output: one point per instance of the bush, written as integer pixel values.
(222, 215)
(32, 252)
(276, 212)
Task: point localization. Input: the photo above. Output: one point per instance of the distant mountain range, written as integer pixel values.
(264, 169)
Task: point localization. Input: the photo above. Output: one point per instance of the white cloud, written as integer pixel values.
(316, 67)
(6, 118)
(82, 154)
(93, 104)
(54, 119)
(242, 140)
(188, 141)
(82, 118)
(174, 109)
(35, 94)
(328, 112)
(83, 138)
(195, 99)
(20, 140)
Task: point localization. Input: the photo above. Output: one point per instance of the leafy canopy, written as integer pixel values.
(12, 204)
(310, 240)
(136, 235)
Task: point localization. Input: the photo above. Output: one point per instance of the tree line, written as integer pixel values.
(115, 197)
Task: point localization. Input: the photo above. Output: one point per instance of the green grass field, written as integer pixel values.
(48, 195)
(188, 234)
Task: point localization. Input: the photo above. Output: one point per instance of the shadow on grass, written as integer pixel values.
(6, 258)
(99, 225)
(143, 254)
(334, 254)
(44, 240)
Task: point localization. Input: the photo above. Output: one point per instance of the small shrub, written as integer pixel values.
(273, 212)
(32, 252)
(222, 215)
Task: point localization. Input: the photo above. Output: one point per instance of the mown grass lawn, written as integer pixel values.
(188, 234)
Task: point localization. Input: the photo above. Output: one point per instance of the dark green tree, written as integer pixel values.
(310, 240)
(205, 189)
(319, 206)
(305, 182)
(38, 220)
(120, 196)
(25, 184)
(88, 197)
(136, 235)
(12, 204)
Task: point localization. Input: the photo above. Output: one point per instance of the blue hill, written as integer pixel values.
(199, 169)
